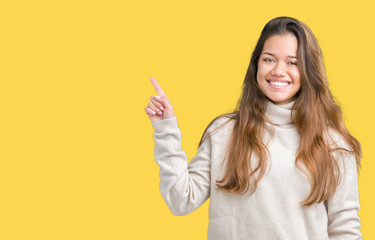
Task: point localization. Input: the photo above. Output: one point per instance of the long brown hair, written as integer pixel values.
(316, 114)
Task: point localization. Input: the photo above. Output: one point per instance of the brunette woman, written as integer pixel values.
(282, 165)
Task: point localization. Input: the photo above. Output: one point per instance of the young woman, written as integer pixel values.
(282, 165)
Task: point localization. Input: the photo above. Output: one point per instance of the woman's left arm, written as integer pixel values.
(343, 207)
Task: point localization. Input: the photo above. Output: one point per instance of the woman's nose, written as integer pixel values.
(279, 69)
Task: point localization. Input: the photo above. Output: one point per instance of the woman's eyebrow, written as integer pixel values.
(273, 55)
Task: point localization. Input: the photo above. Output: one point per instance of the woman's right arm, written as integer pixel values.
(184, 186)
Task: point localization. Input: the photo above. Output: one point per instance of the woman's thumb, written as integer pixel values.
(166, 103)
(168, 111)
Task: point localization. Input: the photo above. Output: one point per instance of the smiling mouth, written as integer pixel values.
(278, 84)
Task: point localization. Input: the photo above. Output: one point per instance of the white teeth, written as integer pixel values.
(281, 84)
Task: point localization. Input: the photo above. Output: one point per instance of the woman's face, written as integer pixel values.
(278, 76)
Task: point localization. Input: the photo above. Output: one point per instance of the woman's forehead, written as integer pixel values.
(285, 45)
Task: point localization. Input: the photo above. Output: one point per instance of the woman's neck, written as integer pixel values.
(280, 114)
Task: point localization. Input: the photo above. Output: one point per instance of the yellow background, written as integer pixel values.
(76, 150)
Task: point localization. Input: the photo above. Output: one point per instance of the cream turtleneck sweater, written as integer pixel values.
(273, 211)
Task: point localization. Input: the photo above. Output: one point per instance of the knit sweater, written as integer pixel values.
(274, 210)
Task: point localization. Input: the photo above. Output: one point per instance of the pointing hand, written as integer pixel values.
(160, 107)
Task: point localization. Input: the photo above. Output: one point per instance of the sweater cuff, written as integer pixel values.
(162, 125)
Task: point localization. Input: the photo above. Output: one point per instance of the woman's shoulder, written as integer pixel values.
(221, 126)
(335, 140)
(222, 121)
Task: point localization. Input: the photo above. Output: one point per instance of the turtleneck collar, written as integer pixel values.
(280, 114)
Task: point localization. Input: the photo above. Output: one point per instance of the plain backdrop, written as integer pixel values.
(76, 150)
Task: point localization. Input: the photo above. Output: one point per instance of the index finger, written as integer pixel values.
(157, 87)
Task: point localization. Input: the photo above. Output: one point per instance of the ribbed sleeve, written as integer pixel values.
(343, 207)
(183, 186)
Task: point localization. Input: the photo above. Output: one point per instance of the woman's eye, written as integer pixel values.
(268, 60)
(293, 63)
